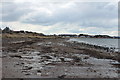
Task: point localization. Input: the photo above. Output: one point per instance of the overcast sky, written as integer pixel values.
(61, 17)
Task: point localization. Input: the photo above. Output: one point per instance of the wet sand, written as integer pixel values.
(56, 58)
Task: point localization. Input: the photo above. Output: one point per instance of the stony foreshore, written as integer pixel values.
(56, 58)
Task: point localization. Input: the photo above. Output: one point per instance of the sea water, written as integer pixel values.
(104, 42)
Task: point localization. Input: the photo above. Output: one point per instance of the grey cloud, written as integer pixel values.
(100, 15)
(86, 14)
(13, 12)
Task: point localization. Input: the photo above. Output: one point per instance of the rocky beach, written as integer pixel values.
(59, 39)
(28, 57)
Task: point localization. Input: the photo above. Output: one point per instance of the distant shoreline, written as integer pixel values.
(93, 38)
(8, 31)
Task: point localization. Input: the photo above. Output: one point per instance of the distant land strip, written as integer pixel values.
(11, 33)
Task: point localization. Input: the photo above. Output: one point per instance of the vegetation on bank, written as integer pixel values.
(7, 32)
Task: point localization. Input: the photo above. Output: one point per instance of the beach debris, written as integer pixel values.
(39, 74)
(86, 57)
(47, 62)
(15, 55)
(47, 57)
(27, 73)
(62, 76)
(24, 52)
(27, 68)
(39, 71)
(27, 57)
(62, 59)
(17, 63)
(77, 59)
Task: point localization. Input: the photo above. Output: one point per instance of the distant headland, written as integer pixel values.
(7, 30)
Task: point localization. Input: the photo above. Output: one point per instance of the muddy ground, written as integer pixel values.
(56, 58)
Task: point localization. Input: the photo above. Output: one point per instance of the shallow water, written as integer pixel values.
(104, 42)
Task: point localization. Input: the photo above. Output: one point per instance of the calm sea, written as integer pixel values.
(100, 42)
